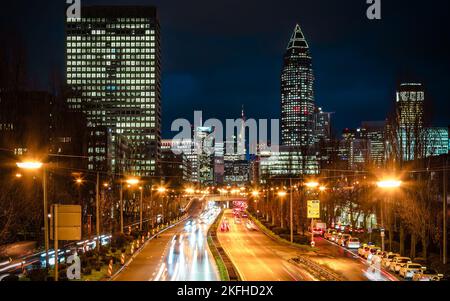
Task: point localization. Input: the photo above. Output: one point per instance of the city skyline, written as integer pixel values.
(331, 169)
(363, 74)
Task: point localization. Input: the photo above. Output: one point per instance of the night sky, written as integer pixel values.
(219, 55)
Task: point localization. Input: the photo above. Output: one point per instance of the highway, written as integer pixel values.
(257, 257)
(179, 254)
(347, 262)
(260, 258)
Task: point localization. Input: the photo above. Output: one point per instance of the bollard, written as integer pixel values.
(143, 239)
(110, 268)
(132, 248)
(137, 244)
(122, 259)
(148, 234)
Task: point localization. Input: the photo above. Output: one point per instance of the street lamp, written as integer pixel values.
(35, 165)
(130, 182)
(386, 184)
(312, 184)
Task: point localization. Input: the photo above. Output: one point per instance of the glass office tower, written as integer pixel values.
(297, 93)
(113, 71)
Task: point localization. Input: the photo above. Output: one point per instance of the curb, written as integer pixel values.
(232, 272)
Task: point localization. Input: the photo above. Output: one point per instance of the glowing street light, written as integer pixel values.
(389, 184)
(282, 194)
(311, 184)
(36, 165)
(161, 189)
(132, 181)
(322, 188)
(32, 165)
(255, 193)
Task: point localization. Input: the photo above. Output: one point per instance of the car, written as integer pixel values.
(407, 271)
(378, 257)
(372, 251)
(250, 226)
(386, 261)
(334, 236)
(363, 250)
(399, 262)
(353, 243)
(328, 234)
(225, 227)
(427, 275)
(317, 232)
(244, 215)
(343, 239)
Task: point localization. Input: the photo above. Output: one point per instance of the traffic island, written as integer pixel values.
(226, 268)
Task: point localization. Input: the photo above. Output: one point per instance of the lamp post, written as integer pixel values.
(388, 184)
(129, 181)
(281, 194)
(141, 189)
(35, 165)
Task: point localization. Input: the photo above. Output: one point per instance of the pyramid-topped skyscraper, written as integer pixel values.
(297, 93)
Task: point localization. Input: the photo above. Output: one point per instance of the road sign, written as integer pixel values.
(69, 222)
(313, 208)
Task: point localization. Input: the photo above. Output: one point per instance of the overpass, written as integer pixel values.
(220, 198)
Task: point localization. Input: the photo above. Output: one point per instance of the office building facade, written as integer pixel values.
(113, 71)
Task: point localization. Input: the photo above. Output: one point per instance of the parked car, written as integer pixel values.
(343, 239)
(377, 258)
(334, 236)
(372, 251)
(363, 249)
(338, 237)
(407, 271)
(386, 261)
(328, 234)
(399, 262)
(353, 243)
(427, 275)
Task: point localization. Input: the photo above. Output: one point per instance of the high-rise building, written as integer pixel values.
(322, 125)
(204, 150)
(410, 99)
(437, 142)
(297, 93)
(374, 132)
(113, 70)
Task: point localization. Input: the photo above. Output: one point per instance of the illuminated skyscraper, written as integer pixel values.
(410, 104)
(297, 93)
(113, 71)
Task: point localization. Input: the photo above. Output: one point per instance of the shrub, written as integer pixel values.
(119, 240)
(37, 275)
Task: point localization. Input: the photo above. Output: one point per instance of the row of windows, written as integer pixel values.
(98, 20)
(72, 38)
(104, 69)
(103, 50)
(95, 60)
(99, 82)
(72, 57)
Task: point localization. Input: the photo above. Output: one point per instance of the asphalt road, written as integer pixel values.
(260, 258)
(257, 257)
(179, 254)
(347, 263)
